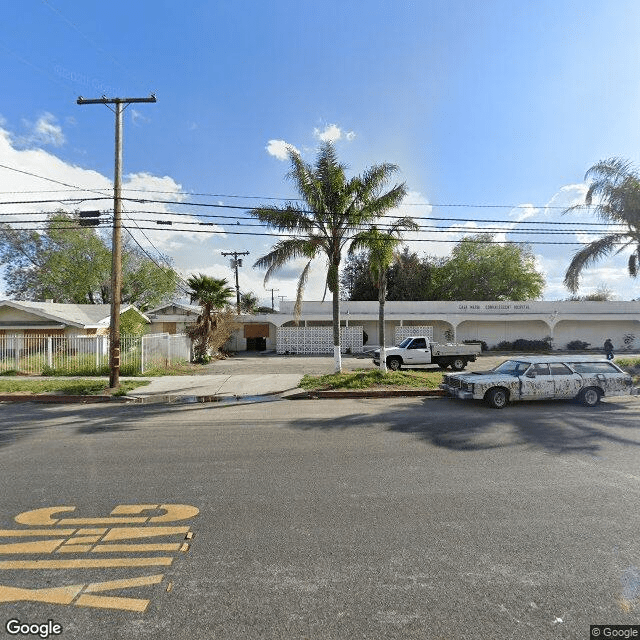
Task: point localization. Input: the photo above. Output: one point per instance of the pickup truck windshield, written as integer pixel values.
(405, 343)
(512, 367)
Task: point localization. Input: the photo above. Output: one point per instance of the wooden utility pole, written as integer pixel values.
(120, 104)
(236, 263)
(272, 305)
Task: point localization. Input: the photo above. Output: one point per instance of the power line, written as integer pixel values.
(166, 224)
(474, 232)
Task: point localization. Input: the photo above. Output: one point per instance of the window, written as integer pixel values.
(558, 369)
(418, 343)
(541, 369)
(593, 367)
(512, 367)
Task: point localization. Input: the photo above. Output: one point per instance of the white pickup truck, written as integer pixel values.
(416, 351)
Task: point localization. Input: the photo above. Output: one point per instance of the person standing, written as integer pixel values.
(608, 348)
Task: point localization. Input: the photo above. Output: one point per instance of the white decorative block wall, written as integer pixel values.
(405, 332)
(310, 340)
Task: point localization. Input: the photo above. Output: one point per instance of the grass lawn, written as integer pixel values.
(76, 387)
(373, 379)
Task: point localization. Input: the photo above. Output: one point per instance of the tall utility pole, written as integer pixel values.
(116, 244)
(235, 263)
(272, 305)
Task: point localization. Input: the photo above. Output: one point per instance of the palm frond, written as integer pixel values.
(588, 255)
(302, 281)
(632, 266)
(286, 250)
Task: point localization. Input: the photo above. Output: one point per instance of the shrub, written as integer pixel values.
(578, 345)
(522, 344)
(483, 344)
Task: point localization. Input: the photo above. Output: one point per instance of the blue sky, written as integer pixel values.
(495, 102)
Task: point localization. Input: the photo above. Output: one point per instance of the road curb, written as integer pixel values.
(364, 393)
(56, 399)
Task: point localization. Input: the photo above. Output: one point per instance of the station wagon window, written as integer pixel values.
(594, 367)
(558, 369)
(541, 369)
(512, 367)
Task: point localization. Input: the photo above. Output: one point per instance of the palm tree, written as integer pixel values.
(333, 208)
(614, 194)
(381, 245)
(212, 294)
(248, 302)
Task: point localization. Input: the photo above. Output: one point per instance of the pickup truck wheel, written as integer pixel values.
(590, 396)
(497, 398)
(458, 364)
(394, 364)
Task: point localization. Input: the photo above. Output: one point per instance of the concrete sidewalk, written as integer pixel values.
(222, 386)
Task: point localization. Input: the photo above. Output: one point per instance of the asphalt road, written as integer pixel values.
(395, 518)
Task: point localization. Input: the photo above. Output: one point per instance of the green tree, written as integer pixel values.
(212, 294)
(333, 209)
(480, 269)
(412, 278)
(72, 264)
(614, 194)
(132, 323)
(381, 246)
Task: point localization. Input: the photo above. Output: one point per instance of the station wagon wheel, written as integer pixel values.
(458, 364)
(497, 398)
(394, 364)
(590, 396)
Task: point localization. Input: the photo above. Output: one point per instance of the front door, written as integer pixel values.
(418, 352)
(537, 383)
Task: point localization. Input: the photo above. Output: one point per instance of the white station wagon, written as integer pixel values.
(542, 377)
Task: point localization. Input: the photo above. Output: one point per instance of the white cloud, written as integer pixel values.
(44, 131)
(331, 133)
(280, 149)
(137, 117)
(22, 182)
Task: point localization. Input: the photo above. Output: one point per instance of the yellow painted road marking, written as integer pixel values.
(109, 520)
(81, 563)
(55, 595)
(133, 509)
(66, 595)
(25, 533)
(129, 533)
(143, 581)
(39, 546)
(176, 512)
(112, 602)
(83, 539)
(173, 513)
(41, 516)
(90, 532)
(95, 535)
(110, 548)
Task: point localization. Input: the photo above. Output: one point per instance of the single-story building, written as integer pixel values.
(172, 318)
(491, 322)
(18, 317)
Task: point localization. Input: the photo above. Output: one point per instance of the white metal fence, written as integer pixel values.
(89, 355)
